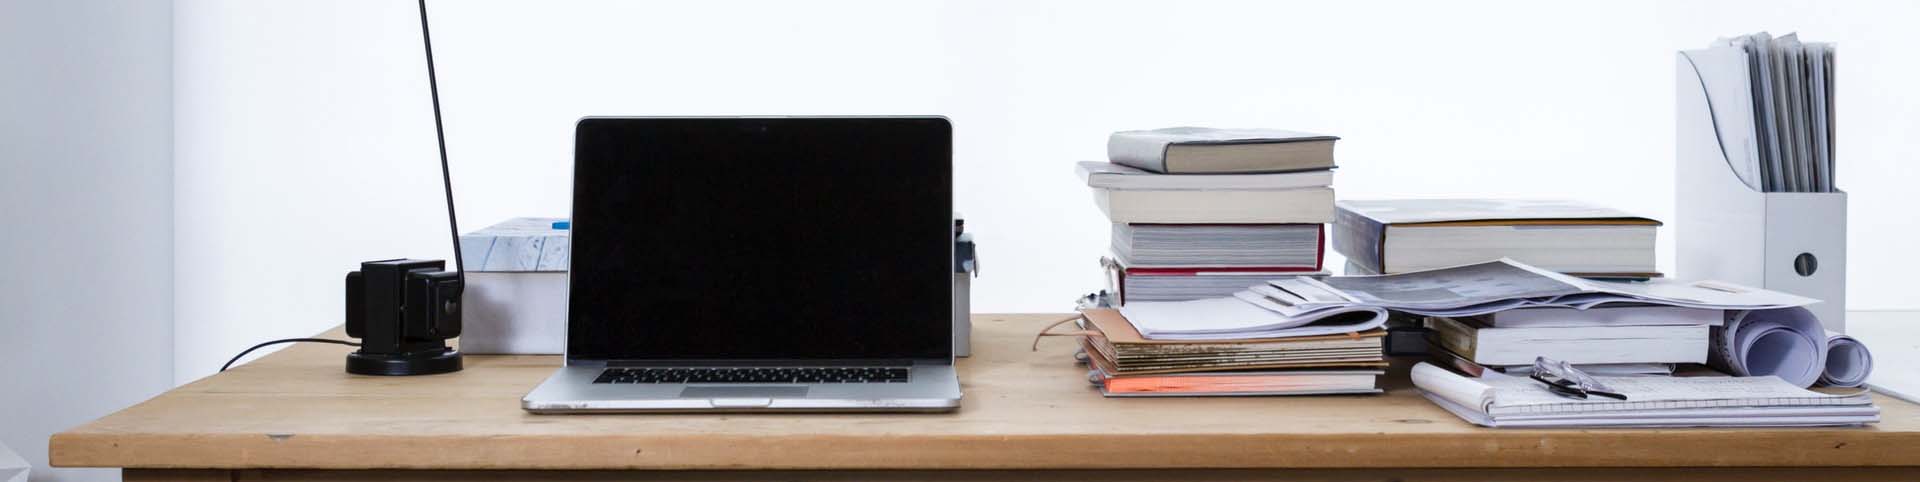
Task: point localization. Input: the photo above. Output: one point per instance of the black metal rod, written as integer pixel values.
(440, 132)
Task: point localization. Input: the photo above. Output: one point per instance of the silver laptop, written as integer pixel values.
(759, 264)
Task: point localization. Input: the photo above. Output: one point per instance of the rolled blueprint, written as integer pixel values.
(1787, 342)
(1848, 362)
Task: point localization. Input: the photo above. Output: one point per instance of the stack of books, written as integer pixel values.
(1125, 364)
(1412, 235)
(1201, 213)
(1614, 339)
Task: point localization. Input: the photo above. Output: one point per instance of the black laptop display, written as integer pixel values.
(742, 239)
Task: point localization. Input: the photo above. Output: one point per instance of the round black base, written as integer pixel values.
(420, 363)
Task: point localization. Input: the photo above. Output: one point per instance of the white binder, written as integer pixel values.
(1728, 230)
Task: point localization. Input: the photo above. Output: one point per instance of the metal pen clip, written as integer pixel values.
(1564, 380)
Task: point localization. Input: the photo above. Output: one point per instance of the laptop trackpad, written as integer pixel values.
(744, 392)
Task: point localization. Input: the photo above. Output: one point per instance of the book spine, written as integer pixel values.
(1116, 281)
(1454, 337)
(1138, 153)
(1360, 239)
(1320, 247)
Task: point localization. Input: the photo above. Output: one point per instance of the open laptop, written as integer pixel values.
(759, 264)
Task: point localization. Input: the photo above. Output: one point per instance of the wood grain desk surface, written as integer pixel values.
(1023, 410)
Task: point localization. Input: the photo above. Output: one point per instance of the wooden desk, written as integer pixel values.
(295, 415)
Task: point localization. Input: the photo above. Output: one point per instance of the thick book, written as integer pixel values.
(1190, 283)
(1240, 383)
(1606, 315)
(1312, 205)
(1198, 150)
(1284, 247)
(1107, 175)
(1440, 356)
(1400, 236)
(1491, 346)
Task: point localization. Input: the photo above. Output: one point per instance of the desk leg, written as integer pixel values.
(176, 475)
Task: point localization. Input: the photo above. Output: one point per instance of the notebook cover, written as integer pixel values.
(1117, 330)
(1100, 361)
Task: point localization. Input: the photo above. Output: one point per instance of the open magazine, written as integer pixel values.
(1305, 306)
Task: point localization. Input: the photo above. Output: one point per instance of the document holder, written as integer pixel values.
(1729, 230)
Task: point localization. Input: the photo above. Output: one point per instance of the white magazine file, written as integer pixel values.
(1795, 242)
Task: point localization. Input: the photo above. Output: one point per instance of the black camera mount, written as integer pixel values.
(404, 310)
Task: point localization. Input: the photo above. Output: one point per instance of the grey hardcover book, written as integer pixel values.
(1200, 150)
(1107, 175)
(1295, 246)
(1407, 235)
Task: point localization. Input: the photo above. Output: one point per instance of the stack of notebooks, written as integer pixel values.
(1615, 339)
(1200, 213)
(1122, 363)
(1651, 402)
(1408, 235)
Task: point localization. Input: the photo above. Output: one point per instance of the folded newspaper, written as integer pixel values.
(1305, 306)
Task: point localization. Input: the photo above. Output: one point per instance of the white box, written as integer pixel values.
(516, 294)
(966, 265)
(1794, 242)
(515, 313)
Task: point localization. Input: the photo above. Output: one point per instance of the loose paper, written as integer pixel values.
(1238, 318)
(1494, 286)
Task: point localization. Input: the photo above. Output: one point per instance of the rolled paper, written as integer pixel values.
(1848, 362)
(1788, 343)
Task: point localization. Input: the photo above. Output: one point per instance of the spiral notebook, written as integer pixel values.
(1496, 400)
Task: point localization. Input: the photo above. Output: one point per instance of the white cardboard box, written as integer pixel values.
(518, 313)
(516, 291)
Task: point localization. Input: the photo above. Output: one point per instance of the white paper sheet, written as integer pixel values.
(1494, 286)
(12, 467)
(1791, 87)
(1240, 318)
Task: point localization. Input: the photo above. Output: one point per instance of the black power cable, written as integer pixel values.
(446, 180)
(236, 358)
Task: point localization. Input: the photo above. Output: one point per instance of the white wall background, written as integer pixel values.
(86, 222)
(305, 144)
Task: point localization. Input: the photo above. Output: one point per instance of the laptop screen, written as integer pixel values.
(765, 238)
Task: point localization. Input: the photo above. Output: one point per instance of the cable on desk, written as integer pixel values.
(236, 358)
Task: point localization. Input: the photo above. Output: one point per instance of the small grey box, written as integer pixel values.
(966, 265)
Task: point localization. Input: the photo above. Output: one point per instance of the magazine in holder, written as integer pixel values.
(1726, 228)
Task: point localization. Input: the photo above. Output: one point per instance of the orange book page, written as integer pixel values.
(1220, 383)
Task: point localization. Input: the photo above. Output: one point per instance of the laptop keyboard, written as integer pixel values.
(755, 375)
